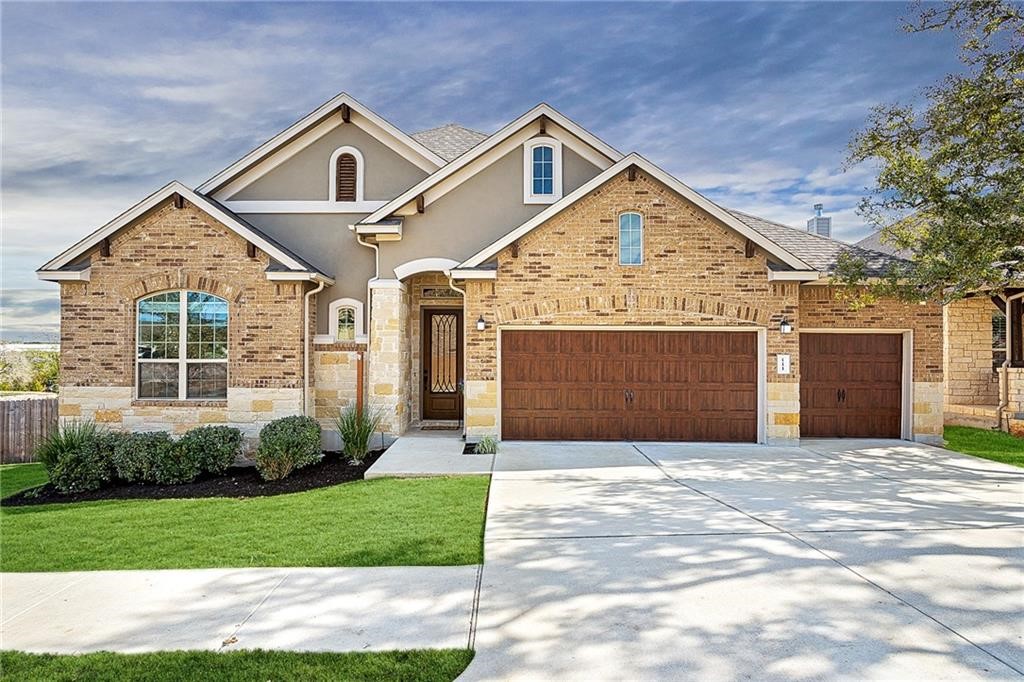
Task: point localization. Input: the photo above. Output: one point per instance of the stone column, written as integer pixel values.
(388, 356)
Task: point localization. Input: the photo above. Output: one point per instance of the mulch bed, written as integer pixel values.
(241, 481)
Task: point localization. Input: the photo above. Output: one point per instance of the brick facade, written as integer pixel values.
(170, 249)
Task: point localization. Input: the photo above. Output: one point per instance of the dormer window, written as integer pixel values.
(347, 175)
(542, 171)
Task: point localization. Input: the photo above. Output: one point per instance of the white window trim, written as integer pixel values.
(360, 171)
(182, 360)
(332, 325)
(556, 169)
(618, 227)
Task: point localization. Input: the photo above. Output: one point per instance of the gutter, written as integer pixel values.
(369, 282)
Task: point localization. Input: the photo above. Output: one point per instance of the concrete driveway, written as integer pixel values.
(839, 559)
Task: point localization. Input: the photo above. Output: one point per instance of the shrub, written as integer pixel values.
(213, 448)
(153, 458)
(356, 428)
(287, 444)
(488, 445)
(86, 467)
(70, 436)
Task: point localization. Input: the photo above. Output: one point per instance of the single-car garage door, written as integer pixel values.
(850, 385)
(628, 385)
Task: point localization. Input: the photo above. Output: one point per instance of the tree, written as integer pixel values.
(950, 186)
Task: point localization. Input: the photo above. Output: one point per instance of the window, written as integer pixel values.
(345, 317)
(347, 324)
(347, 171)
(182, 346)
(998, 340)
(542, 171)
(631, 239)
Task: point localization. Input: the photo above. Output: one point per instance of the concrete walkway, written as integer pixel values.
(837, 560)
(429, 453)
(300, 609)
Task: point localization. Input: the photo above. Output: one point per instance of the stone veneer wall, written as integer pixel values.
(169, 249)
(968, 351)
(388, 380)
(417, 304)
(335, 371)
(694, 273)
(822, 307)
(1013, 417)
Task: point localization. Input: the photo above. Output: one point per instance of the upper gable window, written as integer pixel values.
(347, 171)
(631, 239)
(542, 170)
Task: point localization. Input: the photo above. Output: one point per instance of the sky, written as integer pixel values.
(752, 104)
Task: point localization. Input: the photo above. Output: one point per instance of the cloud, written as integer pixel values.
(29, 315)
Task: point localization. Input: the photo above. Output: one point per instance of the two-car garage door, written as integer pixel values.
(629, 385)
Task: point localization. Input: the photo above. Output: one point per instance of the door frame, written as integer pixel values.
(906, 374)
(425, 311)
(762, 356)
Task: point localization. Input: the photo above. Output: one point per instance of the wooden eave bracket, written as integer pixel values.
(631, 173)
(346, 113)
(750, 249)
(421, 203)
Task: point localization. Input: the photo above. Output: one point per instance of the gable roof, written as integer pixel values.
(821, 253)
(449, 141)
(541, 110)
(873, 242)
(285, 257)
(431, 160)
(775, 249)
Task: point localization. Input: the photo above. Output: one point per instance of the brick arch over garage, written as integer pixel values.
(634, 306)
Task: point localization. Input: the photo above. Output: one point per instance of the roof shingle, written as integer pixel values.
(449, 141)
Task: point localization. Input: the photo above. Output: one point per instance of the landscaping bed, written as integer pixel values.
(237, 481)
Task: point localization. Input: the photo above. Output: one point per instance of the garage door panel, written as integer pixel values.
(851, 385)
(684, 385)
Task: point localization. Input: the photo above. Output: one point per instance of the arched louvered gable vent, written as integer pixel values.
(345, 171)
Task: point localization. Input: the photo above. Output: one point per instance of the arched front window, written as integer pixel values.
(542, 170)
(182, 346)
(347, 174)
(346, 320)
(631, 239)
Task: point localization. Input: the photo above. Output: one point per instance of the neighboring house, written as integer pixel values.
(535, 283)
(983, 342)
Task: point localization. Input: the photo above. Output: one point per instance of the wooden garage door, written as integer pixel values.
(629, 385)
(850, 385)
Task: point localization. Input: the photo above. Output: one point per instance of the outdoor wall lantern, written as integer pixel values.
(481, 324)
(785, 326)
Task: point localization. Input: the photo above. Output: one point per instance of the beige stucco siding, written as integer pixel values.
(478, 212)
(306, 176)
(325, 241)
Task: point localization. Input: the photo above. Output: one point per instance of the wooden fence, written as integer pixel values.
(25, 420)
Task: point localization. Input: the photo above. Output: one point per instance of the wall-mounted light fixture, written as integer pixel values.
(786, 327)
(481, 324)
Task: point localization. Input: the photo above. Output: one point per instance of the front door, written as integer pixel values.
(442, 363)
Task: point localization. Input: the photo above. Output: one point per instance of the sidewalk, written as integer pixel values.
(300, 609)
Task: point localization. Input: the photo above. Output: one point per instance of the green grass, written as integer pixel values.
(15, 477)
(383, 522)
(441, 665)
(998, 446)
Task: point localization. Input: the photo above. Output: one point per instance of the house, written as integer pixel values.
(535, 283)
(983, 350)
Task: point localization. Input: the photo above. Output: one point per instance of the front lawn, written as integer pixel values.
(15, 477)
(441, 665)
(382, 522)
(998, 446)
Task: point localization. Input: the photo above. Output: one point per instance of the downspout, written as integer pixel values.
(1004, 398)
(306, 346)
(451, 285)
(369, 282)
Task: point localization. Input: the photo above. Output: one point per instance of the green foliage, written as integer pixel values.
(17, 477)
(356, 428)
(68, 437)
(428, 665)
(213, 448)
(998, 446)
(34, 370)
(950, 175)
(153, 458)
(488, 445)
(287, 444)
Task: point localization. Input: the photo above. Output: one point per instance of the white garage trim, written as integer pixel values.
(907, 379)
(762, 357)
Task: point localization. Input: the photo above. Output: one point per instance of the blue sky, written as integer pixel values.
(751, 104)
